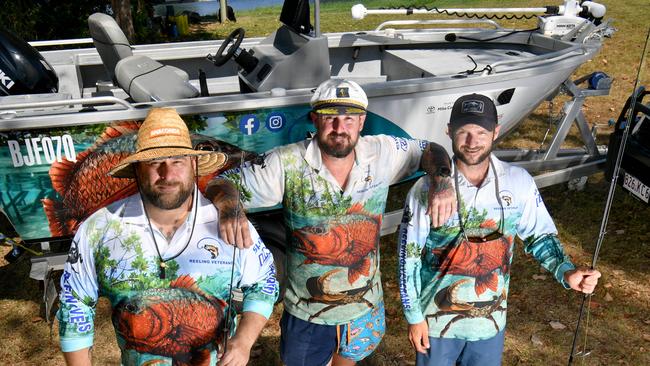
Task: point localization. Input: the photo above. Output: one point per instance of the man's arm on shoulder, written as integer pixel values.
(260, 184)
(233, 225)
(404, 155)
(442, 197)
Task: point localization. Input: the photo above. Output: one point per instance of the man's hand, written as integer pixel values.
(233, 225)
(239, 347)
(442, 197)
(234, 229)
(237, 354)
(419, 336)
(582, 279)
(442, 200)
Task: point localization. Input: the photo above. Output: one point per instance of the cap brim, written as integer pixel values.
(208, 161)
(337, 110)
(467, 119)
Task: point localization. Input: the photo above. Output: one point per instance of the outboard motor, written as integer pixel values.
(22, 68)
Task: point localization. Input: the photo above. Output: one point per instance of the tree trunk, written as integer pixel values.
(122, 11)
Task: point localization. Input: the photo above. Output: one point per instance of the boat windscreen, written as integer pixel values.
(295, 14)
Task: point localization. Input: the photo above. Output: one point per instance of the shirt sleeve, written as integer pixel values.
(79, 293)
(413, 234)
(538, 232)
(261, 184)
(258, 282)
(403, 155)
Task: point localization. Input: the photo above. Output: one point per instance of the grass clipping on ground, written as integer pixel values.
(541, 315)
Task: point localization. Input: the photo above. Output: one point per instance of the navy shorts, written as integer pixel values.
(307, 344)
(451, 351)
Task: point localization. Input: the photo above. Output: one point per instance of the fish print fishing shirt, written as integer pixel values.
(458, 283)
(177, 319)
(333, 250)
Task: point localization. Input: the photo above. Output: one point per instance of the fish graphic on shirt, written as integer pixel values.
(345, 241)
(176, 322)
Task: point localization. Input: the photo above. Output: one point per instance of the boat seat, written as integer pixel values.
(142, 77)
(109, 40)
(147, 80)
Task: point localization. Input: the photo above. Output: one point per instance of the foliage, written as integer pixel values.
(61, 19)
(319, 204)
(49, 19)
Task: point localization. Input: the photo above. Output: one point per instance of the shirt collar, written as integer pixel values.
(498, 167)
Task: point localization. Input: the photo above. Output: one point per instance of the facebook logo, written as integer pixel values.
(275, 121)
(249, 124)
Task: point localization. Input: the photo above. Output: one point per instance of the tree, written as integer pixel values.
(122, 14)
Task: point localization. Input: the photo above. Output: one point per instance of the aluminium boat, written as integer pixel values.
(76, 111)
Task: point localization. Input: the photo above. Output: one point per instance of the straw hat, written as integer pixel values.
(162, 135)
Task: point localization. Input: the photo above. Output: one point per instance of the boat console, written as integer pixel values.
(292, 57)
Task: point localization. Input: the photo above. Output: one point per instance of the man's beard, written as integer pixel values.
(474, 161)
(167, 201)
(335, 147)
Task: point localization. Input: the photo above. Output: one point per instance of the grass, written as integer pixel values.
(619, 322)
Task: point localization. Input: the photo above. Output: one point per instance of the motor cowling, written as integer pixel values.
(23, 70)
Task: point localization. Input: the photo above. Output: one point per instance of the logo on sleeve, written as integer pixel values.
(538, 198)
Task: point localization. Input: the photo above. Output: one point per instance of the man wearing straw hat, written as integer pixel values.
(333, 189)
(158, 257)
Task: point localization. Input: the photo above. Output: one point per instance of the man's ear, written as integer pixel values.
(448, 131)
(313, 117)
(362, 120)
(496, 132)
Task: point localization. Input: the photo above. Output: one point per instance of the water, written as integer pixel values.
(252, 4)
(204, 8)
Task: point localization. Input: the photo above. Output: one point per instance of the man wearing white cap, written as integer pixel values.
(158, 257)
(454, 278)
(333, 189)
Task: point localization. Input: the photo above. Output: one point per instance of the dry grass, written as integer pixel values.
(619, 326)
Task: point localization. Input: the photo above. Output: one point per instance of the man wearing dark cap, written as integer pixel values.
(454, 278)
(333, 189)
(158, 257)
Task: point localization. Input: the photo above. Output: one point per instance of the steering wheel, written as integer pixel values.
(237, 36)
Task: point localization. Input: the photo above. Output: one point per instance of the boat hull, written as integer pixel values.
(409, 96)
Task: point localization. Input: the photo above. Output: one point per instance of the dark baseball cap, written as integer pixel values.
(474, 108)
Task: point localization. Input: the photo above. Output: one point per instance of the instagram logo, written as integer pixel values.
(275, 121)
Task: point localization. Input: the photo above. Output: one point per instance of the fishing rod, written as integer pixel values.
(570, 7)
(608, 202)
(238, 208)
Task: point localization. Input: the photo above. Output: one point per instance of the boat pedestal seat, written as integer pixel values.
(109, 40)
(147, 80)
